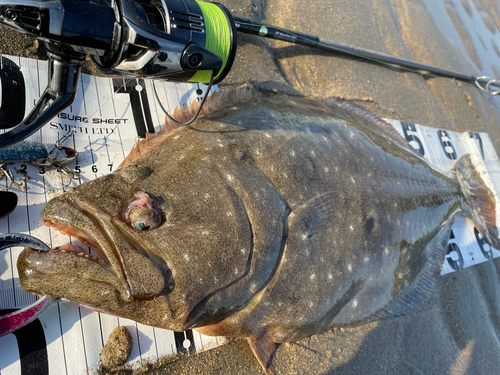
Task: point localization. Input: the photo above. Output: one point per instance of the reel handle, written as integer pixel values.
(64, 76)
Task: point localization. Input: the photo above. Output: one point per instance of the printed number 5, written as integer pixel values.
(410, 133)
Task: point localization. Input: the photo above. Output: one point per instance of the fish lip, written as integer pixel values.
(116, 266)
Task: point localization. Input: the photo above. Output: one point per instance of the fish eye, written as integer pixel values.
(140, 225)
(142, 213)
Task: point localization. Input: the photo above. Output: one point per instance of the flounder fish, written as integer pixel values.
(272, 218)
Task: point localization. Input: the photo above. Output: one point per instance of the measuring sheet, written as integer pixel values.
(107, 117)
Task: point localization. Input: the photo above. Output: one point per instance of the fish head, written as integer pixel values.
(166, 241)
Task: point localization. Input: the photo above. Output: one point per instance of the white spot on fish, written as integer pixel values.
(313, 276)
(400, 275)
(395, 204)
(386, 251)
(284, 174)
(229, 177)
(292, 152)
(330, 276)
(186, 256)
(352, 179)
(207, 196)
(201, 280)
(366, 259)
(310, 304)
(229, 213)
(326, 169)
(243, 250)
(349, 267)
(253, 288)
(312, 153)
(180, 157)
(235, 108)
(324, 138)
(304, 237)
(351, 228)
(354, 303)
(205, 232)
(236, 271)
(267, 135)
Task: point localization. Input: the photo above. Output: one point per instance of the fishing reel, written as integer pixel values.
(184, 41)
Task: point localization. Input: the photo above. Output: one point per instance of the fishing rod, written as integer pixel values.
(174, 40)
(273, 32)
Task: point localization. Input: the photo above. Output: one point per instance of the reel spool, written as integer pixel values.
(178, 41)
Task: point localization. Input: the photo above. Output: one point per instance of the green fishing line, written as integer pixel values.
(217, 38)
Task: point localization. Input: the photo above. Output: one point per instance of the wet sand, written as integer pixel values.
(457, 330)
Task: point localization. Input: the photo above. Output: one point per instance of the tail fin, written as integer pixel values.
(479, 198)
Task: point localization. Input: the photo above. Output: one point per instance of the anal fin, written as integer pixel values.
(264, 348)
(414, 295)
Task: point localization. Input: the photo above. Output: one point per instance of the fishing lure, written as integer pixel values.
(39, 155)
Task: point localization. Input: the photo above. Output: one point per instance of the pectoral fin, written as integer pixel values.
(318, 214)
(264, 348)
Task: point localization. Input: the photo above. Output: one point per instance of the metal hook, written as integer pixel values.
(59, 143)
(8, 175)
(487, 87)
(67, 171)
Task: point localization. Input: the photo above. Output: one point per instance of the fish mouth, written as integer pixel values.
(115, 257)
(95, 254)
(90, 253)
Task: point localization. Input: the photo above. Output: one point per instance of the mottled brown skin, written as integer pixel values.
(280, 217)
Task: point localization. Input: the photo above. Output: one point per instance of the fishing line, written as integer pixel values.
(218, 39)
(199, 108)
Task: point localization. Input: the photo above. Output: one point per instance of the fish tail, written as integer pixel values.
(479, 198)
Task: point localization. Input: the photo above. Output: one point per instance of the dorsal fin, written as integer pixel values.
(380, 126)
(215, 101)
